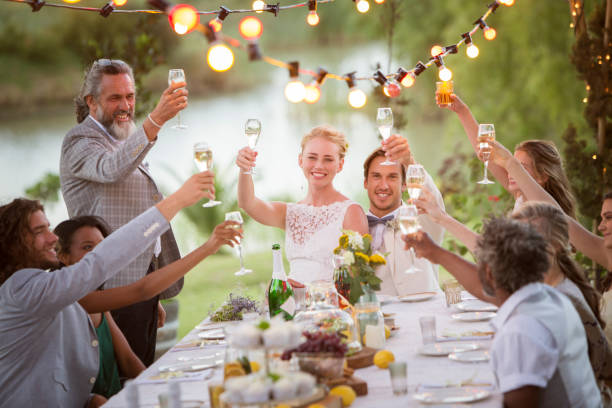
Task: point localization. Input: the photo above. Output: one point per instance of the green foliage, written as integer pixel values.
(46, 190)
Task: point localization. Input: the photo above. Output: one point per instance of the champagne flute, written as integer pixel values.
(177, 75)
(486, 138)
(416, 179)
(203, 158)
(384, 121)
(252, 130)
(409, 224)
(236, 216)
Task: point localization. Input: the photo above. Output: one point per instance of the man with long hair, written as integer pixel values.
(48, 346)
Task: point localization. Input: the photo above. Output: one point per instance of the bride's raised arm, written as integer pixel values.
(267, 213)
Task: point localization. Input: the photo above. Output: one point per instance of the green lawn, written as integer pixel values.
(209, 284)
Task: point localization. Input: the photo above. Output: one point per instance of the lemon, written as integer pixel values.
(383, 358)
(315, 406)
(254, 366)
(346, 393)
(387, 332)
(233, 370)
(215, 392)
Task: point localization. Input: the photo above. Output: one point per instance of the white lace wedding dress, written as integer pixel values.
(311, 234)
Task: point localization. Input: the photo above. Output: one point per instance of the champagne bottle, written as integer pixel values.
(280, 294)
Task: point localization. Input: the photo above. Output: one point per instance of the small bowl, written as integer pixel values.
(324, 366)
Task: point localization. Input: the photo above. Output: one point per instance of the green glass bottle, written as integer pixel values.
(280, 294)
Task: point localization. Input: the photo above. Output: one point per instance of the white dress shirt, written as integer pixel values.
(540, 341)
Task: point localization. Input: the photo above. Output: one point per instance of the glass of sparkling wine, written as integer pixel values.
(236, 216)
(486, 139)
(252, 130)
(203, 158)
(409, 224)
(384, 121)
(177, 75)
(416, 179)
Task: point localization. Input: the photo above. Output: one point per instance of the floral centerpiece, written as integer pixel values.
(355, 265)
(234, 307)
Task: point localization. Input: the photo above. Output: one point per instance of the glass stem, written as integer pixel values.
(412, 256)
(240, 255)
(486, 166)
(179, 119)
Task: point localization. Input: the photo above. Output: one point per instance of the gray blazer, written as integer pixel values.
(105, 177)
(49, 353)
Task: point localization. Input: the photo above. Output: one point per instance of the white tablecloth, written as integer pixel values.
(404, 344)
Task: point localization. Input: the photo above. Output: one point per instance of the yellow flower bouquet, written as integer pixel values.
(355, 265)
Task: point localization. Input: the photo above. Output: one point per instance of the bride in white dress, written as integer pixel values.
(313, 225)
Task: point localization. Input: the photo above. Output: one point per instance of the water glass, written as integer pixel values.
(443, 93)
(428, 329)
(452, 292)
(398, 371)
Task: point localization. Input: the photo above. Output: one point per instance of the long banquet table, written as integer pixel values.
(404, 343)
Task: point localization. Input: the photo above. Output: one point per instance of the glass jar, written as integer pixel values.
(370, 324)
(324, 314)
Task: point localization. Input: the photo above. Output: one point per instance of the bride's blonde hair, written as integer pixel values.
(327, 132)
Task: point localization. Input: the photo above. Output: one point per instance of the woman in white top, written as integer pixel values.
(314, 224)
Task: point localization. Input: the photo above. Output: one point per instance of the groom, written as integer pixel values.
(385, 185)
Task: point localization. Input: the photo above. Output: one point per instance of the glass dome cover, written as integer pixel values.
(324, 314)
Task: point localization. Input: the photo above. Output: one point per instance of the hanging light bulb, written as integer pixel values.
(356, 97)
(119, 3)
(294, 90)
(219, 57)
(312, 18)
(183, 18)
(250, 28)
(436, 50)
(444, 73)
(406, 78)
(259, 6)
(390, 87)
(362, 5)
(379, 1)
(490, 33)
(313, 90)
(507, 2)
(471, 50)
(71, 1)
(217, 23)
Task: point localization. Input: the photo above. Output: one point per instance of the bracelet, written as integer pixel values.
(153, 122)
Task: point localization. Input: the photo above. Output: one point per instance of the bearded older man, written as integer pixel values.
(103, 173)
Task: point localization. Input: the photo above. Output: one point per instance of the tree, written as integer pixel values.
(591, 55)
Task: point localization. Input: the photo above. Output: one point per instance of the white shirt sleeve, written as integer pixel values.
(524, 353)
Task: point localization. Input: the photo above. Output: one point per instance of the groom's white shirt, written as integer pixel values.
(394, 280)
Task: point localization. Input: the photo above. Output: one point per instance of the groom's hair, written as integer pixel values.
(379, 153)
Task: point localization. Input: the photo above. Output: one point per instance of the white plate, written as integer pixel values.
(188, 367)
(474, 316)
(215, 334)
(212, 325)
(472, 356)
(384, 299)
(444, 349)
(476, 306)
(418, 297)
(451, 395)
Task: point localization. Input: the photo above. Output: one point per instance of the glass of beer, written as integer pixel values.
(203, 158)
(486, 139)
(443, 93)
(236, 216)
(177, 75)
(252, 130)
(409, 224)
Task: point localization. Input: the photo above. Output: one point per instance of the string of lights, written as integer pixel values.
(185, 18)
